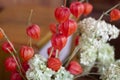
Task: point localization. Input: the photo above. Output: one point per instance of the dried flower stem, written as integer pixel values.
(64, 2)
(87, 74)
(51, 52)
(19, 69)
(30, 16)
(57, 51)
(73, 54)
(104, 13)
(12, 48)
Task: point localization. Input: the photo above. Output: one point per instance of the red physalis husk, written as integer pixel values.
(87, 8)
(53, 28)
(77, 40)
(25, 66)
(6, 47)
(15, 76)
(10, 64)
(53, 53)
(62, 14)
(77, 9)
(74, 68)
(68, 27)
(54, 64)
(33, 31)
(26, 53)
(115, 15)
(1, 35)
(58, 41)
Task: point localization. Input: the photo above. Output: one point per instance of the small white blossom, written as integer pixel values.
(39, 71)
(113, 72)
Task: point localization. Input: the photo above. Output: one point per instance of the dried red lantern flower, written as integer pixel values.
(10, 64)
(53, 53)
(77, 9)
(54, 64)
(68, 27)
(15, 76)
(25, 66)
(115, 15)
(62, 14)
(74, 68)
(58, 41)
(33, 31)
(77, 40)
(53, 28)
(26, 53)
(87, 8)
(6, 47)
(1, 35)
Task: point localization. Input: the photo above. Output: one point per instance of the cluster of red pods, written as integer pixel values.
(61, 31)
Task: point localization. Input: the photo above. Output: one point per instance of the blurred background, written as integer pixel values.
(14, 20)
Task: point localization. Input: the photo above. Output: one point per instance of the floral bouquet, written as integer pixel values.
(91, 45)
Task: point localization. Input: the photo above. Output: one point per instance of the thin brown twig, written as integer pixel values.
(104, 13)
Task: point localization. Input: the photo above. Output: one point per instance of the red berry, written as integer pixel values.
(62, 14)
(15, 76)
(58, 41)
(6, 47)
(77, 9)
(52, 27)
(33, 31)
(54, 63)
(53, 53)
(26, 53)
(115, 14)
(77, 40)
(1, 35)
(10, 64)
(25, 66)
(68, 27)
(74, 68)
(87, 8)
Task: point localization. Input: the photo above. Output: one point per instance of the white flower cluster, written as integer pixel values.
(93, 41)
(113, 72)
(39, 71)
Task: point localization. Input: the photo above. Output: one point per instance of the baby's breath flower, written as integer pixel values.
(113, 72)
(39, 71)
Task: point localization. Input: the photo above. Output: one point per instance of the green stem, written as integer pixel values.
(104, 13)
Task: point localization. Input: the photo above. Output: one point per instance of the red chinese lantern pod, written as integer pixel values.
(53, 28)
(25, 66)
(58, 41)
(1, 35)
(68, 27)
(77, 9)
(54, 64)
(6, 47)
(10, 64)
(87, 8)
(53, 53)
(33, 31)
(26, 53)
(62, 14)
(15, 76)
(74, 68)
(115, 15)
(77, 40)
